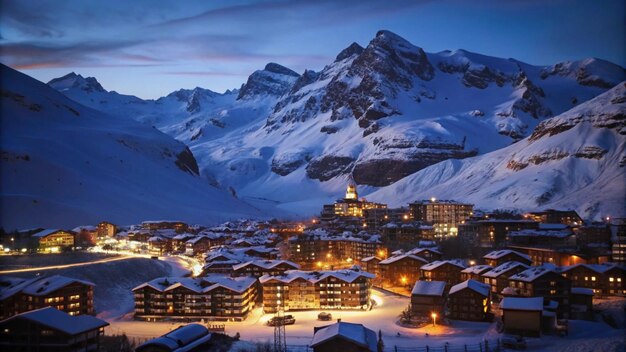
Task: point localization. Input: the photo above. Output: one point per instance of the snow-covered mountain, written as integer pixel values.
(376, 115)
(64, 164)
(576, 160)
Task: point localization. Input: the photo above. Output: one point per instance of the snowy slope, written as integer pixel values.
(576, 160)
(64, 164)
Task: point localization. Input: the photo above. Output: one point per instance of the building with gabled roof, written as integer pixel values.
(474, 272)
(501, 256)
(188, 337)
(400, 270)
(260, 267)
(49, 329)
(522, 315)
(343, 336)
(54, 240)
(607, 279)
(544, 281)
(498, 277)
(70, 295)
(443, 270)
(184, 298)
(428, 297)
(297, 289)
(470, 300)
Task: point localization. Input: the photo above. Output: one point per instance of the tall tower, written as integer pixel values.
(280, 339)
(351, 192)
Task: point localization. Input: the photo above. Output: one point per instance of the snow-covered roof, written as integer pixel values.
(367, 259)
(346, 275)
(598, 268)
(44, 285)
(532, 273)
(504, 252)
(582, 291)
(544, 226)
(522, 303)
(477, 269)
(356, 333)
(200, 285)
(473, 285)
(45, 233)
(542, 233)
(84, 228)
(59, 320)
(395, 258)
(266, 264)
(437, 263)
(428, 288)
(419, 250)
(503, 268)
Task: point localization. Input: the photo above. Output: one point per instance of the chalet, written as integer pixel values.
(85, 235)
(428, 297)
(177, 226)
(544, 281)
(344, 337)
(371, 265)
(184, 338)
(561, 256)
(448, 271)
(53, 240)
(502, 256)
(493, 232)
(179, 242)
(581, 303)
(400, 270)
(260, 267)
(522, 316)
(159, 245)
(498, 277)
(469, 300)
(182, 298)
(604, 279)
(430, 254)
(197, 245)
(106, 230)
(49, 329)
(73, 296)
(552, 216)
(475, 272)
(296, 289)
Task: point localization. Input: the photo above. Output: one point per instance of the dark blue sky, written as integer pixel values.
(150, 47)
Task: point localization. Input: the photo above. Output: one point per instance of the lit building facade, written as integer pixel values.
(444, 215)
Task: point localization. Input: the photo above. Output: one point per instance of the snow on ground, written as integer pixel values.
(583, 336)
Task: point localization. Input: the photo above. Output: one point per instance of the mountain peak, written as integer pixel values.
(73, 80)
(353, 49)
(280, 69)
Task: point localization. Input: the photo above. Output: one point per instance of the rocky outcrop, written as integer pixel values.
(273, 80)
(187, 162)
(353, 49)
(72, 80)
(589, 72)
(591, 152)
(325, 167)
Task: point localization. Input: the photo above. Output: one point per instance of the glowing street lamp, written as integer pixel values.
(434, 316)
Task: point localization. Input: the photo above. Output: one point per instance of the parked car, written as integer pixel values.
(285, 320)
(325, 316)
(514, 342)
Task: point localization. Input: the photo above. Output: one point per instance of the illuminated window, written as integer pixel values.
(593, 278)
(611, 279)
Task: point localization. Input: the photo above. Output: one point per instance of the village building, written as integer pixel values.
(560, 256)
(548, 235)
(608, 279)
(444, 215)
(372, 265)
(73, 296)
(475, 272)
(593, 234)
(488, 232)
(319, 249)
(296, 290)
(522, 316)
(581, 303)
(470, 300)
(552, 216)
(499, 257)
(404, 234)
(197, 245)
(53, 240)
(181, 298)
(85, 236)
(106, 230)
(618, 240)
(428, 297)
(544, 281)
(448, 271)
(498, 277)
(344, 337)
(50, 330)
(400, 270)
(178, 226)
(260, 267)
(349, 207)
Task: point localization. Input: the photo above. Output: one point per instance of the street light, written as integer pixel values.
(434, 316)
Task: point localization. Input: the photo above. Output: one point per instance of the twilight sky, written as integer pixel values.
(150, 48)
